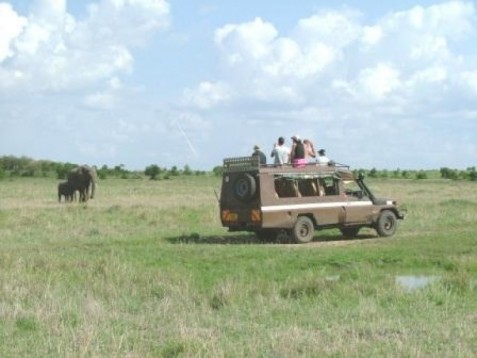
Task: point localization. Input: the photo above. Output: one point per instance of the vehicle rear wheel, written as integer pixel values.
(350, 231)
(387, 223)
(303, 230)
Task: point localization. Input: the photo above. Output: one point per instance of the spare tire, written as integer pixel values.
(245, 187)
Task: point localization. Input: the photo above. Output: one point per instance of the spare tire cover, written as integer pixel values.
(245, 187)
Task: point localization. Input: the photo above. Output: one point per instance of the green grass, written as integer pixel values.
(145, 269)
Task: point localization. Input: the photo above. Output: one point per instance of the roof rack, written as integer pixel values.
(235, 164)
(242, 163)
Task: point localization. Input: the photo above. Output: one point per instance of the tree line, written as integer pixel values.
(443, 173)
(11, 166)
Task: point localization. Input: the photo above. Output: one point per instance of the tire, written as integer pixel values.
(387, 224)
(303, 230)
(245, 187)
(350, 232)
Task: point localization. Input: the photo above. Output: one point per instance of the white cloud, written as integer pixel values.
(379, 81)
(245, 42)
(11, 25)
(54, 51)
(469, 78)
(372, 35)
(361, 75)
(337, 29)
(100, 100)
(429, 75)
(207, 95)
(334, 51)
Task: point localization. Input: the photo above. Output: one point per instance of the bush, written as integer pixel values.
(152, 171)
(421, 175)
(472, 174)
(447, 173)
(218, 170)
(187, 170)
(373, 173)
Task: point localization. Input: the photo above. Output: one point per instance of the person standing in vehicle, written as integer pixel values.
(310, 153)
(258, 153)
(297, 154)
(322, 158)
(280, 152)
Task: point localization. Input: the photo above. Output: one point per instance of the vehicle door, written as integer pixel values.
(359, 207)
(330, 204)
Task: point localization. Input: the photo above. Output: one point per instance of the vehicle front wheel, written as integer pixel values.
(387, 224)
(303, 230)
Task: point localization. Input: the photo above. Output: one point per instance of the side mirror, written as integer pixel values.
(361, 175)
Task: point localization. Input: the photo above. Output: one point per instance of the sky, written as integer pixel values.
(378, 84)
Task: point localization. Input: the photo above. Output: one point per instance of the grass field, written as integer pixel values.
(145, 269)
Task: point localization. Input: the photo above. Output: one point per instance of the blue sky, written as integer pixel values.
(377, 84)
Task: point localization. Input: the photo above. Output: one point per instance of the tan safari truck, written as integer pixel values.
(283, 200)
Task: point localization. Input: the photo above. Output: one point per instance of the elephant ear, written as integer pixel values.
(94, 174)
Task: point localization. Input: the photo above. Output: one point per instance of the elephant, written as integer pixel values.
(80, 178)
(66, 190)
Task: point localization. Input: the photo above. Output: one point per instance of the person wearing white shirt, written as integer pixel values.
(322, 158)
(280, 152)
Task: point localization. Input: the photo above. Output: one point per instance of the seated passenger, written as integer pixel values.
(258, 153)
(322, 158)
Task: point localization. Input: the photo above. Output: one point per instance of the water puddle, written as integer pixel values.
(411, 283)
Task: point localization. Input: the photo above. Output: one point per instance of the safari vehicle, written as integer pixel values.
(276, 200)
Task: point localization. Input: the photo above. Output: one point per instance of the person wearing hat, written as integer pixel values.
(258, 153)
(297, 154)
(322, 158)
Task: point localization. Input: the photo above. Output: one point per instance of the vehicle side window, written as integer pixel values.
(293, 187)
(308, 187)
(330, 186)
(287, 188)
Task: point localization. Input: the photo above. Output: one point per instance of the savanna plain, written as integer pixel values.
(146, 270)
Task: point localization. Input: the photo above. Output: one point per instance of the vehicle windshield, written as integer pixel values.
(353, 188)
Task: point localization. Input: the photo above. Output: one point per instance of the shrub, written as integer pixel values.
(152, 171)
(421, 175)
(218, 170)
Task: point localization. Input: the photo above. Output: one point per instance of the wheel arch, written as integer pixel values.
(310, 216)
(394, 210)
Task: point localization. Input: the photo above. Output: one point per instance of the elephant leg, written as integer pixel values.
(83, 195)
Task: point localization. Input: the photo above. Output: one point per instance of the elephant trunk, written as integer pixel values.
(93, 188)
